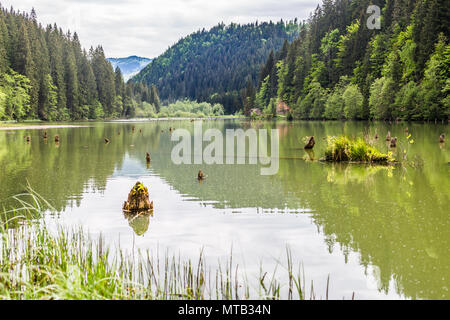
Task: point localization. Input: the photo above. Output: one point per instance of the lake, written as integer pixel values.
(382, 232)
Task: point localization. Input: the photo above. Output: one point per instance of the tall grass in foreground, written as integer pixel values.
(38, 264)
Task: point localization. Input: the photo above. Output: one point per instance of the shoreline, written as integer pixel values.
(35, 125)
(80, 124)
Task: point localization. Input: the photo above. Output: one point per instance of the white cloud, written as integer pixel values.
(147, 28)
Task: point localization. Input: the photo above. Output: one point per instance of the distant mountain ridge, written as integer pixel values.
(130, 66)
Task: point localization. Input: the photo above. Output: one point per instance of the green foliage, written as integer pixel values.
(334, 106)
(313, 105)
(219, 62)
(96, 110)
(433, 88)
(400, 71)
(139, 189)
(186, 108)
(45, 74)
(343, 149)
(382, 95)
(263, 95)
(353, 102)
(14, 96)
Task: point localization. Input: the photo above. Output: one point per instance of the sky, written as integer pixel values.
(148, 27)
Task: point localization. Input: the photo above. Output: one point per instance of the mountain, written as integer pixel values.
(343, 66)
(130, 66)
(215, 65)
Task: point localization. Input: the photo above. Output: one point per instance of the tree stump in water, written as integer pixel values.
(45, 134)
(311, 143)
(147, 157)
(56, 138)
(28, 139)
(201, 176)
(394, 142)
(138, 200)
(442, 138)
(388, 137)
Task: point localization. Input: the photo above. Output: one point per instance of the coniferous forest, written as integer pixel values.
(215, 65)
(335, 68)
(338, 68)
(331, 66)
(45, 74)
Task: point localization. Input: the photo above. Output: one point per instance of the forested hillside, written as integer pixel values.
(45, 74)
(215, 65)
(340, 68)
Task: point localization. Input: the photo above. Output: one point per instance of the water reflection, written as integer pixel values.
(139, 222)
(395, 218)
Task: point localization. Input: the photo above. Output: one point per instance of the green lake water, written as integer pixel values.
(381, 232)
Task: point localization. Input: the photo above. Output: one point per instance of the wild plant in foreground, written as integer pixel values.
(67, 264)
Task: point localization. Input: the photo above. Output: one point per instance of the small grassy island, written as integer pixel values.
(344, 149)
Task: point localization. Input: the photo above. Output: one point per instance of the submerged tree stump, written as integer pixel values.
(56, 138)
(394, 142)
(201, 176)
(311, 143)
(388, 137)
(442, 138)
(106, 140)
(147, 157)
(138, 200)
(28, 138)
(45, 134)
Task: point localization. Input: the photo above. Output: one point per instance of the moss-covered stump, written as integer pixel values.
(138, 200)
(343, 149)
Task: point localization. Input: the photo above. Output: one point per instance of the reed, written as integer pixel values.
(36, 263)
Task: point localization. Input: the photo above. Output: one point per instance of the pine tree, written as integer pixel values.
(71, 80)
(155, 98)
(23, 60)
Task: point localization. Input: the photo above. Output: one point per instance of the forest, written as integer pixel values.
(339, 68)
(214, 65)
(45, 74)
(331, 66)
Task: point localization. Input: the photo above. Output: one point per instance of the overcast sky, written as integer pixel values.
(148, 27)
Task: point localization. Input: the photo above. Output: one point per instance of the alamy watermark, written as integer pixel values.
(374, 21)
(235, 151)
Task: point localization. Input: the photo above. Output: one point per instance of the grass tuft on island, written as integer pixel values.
(344, 149)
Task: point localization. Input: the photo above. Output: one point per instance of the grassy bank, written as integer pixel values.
(67, 264)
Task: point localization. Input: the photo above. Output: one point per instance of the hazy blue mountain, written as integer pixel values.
(130, 66)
